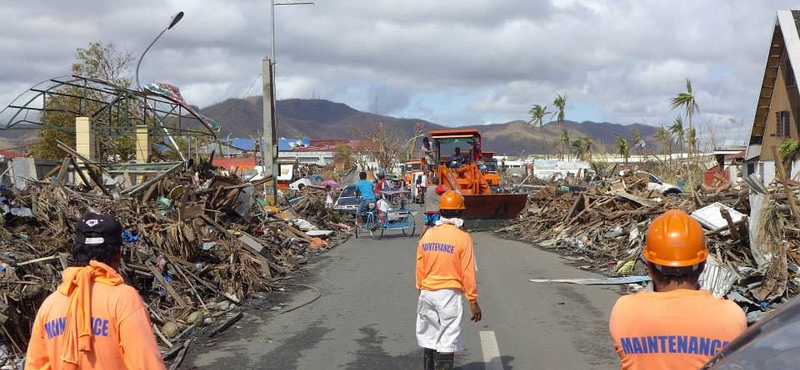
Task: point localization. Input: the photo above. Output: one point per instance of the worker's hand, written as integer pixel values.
(476, 311)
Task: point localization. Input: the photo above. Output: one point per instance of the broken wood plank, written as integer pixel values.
(227, 324)
(727, 216)
(181, 355)
(261, 253)
(172, 292)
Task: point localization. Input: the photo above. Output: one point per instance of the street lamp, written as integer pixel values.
(175, 19)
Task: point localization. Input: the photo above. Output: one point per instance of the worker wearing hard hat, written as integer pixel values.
(676, 325)
(445, 272)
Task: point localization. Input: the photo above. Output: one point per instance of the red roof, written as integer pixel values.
(11, 154)
(247, 163)
(739, 155)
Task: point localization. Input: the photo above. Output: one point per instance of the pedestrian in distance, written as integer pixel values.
(93, 320)
(432, 195)
(676, 325)
(445, 273)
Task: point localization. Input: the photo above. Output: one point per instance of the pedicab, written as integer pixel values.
(376, 222)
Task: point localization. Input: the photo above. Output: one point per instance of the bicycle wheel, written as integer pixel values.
(359, 224)
(370, 224)
(413, 227)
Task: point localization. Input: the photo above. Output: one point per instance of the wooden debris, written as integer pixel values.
(189, 246)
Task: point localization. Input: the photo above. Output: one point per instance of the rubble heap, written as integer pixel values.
(197, 244)
(604, 227)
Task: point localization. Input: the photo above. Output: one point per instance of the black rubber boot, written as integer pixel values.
(430, 357)
(444, 362)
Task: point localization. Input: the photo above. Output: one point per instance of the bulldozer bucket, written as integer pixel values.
(485, 211)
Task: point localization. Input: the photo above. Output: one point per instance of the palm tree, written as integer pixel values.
(582, 148)
(622, 147)
(663, 137)
(538, 113)
(677, 131)
(560, 102)
(687, 102)
(565, 140)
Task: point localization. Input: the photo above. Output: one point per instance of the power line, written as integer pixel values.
(243, 94)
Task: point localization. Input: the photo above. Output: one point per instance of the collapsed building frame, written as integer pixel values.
(117, 108)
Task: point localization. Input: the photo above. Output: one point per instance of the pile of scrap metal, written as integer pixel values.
(755, 250)
(197, 244)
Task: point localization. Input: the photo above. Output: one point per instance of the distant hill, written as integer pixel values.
(315, 118)
(323, 119)
(319, 119)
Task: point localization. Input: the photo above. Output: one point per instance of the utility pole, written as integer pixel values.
(269, 148)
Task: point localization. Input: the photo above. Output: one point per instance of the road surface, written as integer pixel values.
(365, 316)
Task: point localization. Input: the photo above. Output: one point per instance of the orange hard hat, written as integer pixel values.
(451, 200)
(675, 239)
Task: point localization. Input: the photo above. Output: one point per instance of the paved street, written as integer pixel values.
(365, 317)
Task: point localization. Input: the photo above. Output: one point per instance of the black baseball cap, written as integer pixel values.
(97, 229)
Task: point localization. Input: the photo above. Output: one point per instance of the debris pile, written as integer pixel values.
(197, 244)
(603, 228)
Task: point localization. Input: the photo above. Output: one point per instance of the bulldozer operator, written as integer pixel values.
(457, 159)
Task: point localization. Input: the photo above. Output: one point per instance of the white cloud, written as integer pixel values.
(484, 59)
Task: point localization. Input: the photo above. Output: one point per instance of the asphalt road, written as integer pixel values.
(365, 316)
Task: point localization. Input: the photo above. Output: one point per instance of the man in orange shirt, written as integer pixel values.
(677, 325)
(445, 272)
(93, 320)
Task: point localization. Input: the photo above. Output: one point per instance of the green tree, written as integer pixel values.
(677, 131)
(564, 139)
(560, 102)
(102, 62)
(622, 147)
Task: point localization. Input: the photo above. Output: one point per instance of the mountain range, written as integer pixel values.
(323, 119)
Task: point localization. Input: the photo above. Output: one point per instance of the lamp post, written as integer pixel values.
(175, 19)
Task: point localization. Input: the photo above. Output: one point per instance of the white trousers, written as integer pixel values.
(439, 314)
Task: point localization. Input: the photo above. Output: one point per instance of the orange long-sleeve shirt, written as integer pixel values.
(121, 335)
(446, 260)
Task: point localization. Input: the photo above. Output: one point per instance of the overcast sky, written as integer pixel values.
(454, 62)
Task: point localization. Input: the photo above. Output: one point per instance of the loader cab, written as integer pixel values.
(445, 142)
